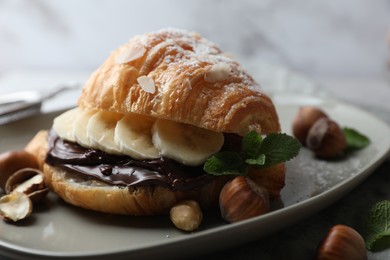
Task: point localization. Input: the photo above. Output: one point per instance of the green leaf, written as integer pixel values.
(378, 226)
(279, 148)
(257, 152)
(225, 163)
(355, 140)
(256, 162)
(251, 144)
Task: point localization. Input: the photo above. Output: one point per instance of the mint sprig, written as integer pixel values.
(355, 140)
(256, 152)
(279, 148)
(378, 226)
(226, 163)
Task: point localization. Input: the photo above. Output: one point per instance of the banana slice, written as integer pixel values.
(184, 143)
(134, 138)
(101, 131)
(80, 127)
(63, 124)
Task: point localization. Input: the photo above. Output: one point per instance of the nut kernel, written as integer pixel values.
(15, 206)
(186, 215)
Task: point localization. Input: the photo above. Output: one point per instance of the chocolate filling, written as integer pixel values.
(125, 171)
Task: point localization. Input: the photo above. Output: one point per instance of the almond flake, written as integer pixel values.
(147, 84)
(134, 52)
(218, 72)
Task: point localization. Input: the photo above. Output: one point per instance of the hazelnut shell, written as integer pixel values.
(13, 161)
(342, 242)
(304, 120)
(34, 187)
(326, 139)
(242, 198)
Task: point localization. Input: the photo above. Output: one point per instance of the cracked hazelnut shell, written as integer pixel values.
(28, 181)
(13, 161)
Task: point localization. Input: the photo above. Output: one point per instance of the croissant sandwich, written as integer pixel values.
(146, 123)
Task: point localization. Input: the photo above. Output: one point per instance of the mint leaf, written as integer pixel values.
(378, 226)
(259, 161)
(251, 144)
(225, 163)
(257, 152)
(355, 140)
(279, 148)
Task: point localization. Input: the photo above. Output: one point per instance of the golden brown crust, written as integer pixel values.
(140, 201)
(180, 64)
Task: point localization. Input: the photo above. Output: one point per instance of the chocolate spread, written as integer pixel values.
(124, 170)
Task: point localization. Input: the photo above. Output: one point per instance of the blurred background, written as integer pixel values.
(318, 38)
(283, 43)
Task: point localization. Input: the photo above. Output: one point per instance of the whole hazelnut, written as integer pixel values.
(13, 161)
(326, 139)
(303, 121)
(242, 198)
(342, 242)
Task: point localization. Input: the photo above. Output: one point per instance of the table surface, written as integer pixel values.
(300, 240)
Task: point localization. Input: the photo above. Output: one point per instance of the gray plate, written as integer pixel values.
(59, 230)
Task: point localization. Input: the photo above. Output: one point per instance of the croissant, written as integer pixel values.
(171, 75)
(194, 83)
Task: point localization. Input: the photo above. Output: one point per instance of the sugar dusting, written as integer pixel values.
(218, 72)
(185, 49)
(308, 176)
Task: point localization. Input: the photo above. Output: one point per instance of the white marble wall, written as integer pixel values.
(319, 38)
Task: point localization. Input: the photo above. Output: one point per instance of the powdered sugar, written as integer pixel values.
(218, 72)
(182, 50)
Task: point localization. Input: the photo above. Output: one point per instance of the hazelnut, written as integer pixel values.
(326, 139)
(342, 242)
(28, 181)
(186, 215)
(13, 161)
(15, 206)
(241, 198)
(303, 121)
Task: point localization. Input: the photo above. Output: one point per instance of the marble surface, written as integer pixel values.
(323, 37)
